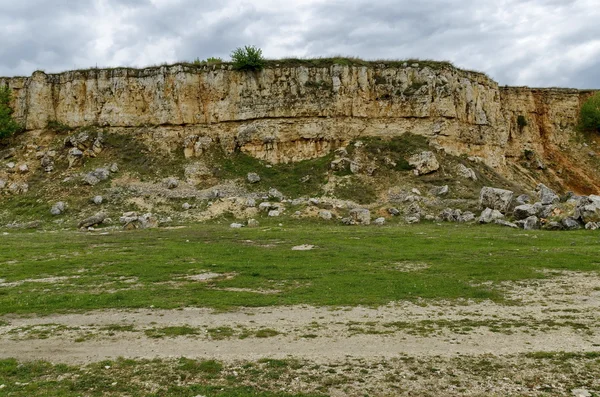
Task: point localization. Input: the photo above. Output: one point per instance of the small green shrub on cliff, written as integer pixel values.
(248, 58)
(589, 116)
(8, 126)
(208, 61)
(521, 121)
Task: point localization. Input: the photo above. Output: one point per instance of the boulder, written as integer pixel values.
(588, 209)
(250, 202)
(74, 157)
(96, 176)
(547, 196)
(466, 217)
(2, 184)
(570, 223)
(523, 199)
(531, 223)
(553, 226)
(186, 206)
(450, 215)
(424, 163)
(502, 222)
(393, 211)
(18, 187)
(325, 214)
(592, 226)
(236, 226)
(439, 190)
(413, 219)
(524, 211)
(58, 208)
(253, 223)
(253, 177)
(361, 216)
(496, 199)
(274, 213)
(466, 172)
(92, 220)
(97, 200)
(489, 215)
(275, 194)
(379, 221)
(23, 168)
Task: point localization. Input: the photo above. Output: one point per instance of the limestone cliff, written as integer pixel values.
(284, 114)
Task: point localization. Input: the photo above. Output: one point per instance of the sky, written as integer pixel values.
(538, 43)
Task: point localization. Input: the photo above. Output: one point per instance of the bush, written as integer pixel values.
(521, 121)
(248, 58)
(208, 61)
(8, 126)
(589, 115)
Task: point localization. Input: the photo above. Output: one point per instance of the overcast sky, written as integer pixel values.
(516, 42)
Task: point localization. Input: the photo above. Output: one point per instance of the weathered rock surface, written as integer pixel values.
(496, 199)
(93, 220)
(489, 215)
(588, 209)
(547, 196)
(525, 211)
(424, 163)
(360, 216)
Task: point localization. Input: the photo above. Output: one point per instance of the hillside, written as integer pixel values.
(182, 139)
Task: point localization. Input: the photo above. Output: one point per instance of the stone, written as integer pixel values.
(547, 196)
(253, 223)
(424, 163)
(439, 190)
(531, 223)
(114, 168)
(466, 172)
(236, 226)
(489, 215)
(18, 187)
(47, 163)
(2, 184)
(466, 217)
(58, 208)
(274, 213)
(314, 201)
(96, 176)
(361, 216)
(580, 393)
(186, 206)
(325, 214)
(275, 194)
(524, 211)
(393, 211)
(502, 222)
(92, 220)
(253, 177)
(588, 209)
(10, 165)
(592, 226)
(523, 199)
(543, 211)
(74, 157)
(7, 153)
(415, 191)
(379, 221)
(148, 221)
(496, 199)
(347, 221)
(553, 226)
(90, 179)
(570, 223)
(171, 183)
(266, 206)
(23, 168)
(450, 215)
(413, 219)
(97, 200)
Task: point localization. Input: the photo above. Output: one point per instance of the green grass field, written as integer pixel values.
(60, 271)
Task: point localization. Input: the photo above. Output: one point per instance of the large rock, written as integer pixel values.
(170, 183)
(570, 223)
(424, 163)
(588, 209)
(450, 215)
(466, 172)
(489, 215)
(96, 176)
(531, 223)
(439, 190)
(93, 220)
(496, 199)
(58, 208)
(253, 177)
(325, 214)
(524, 211)
(523, 199)
(360, 216)
(547, 196)
(466, 217)
(275, 194)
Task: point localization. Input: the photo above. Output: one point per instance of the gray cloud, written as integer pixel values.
(516, 42)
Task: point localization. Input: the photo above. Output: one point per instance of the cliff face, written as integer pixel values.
(292, 113)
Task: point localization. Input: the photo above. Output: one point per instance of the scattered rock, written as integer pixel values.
(393, 211)
(23, 168)
(171, 183)
(275, 194)
(553, 226)
(131, 220)
(379, 221)
(97, 200)
(360, 216)
(74, 157)
(502, 222)
(523, 199)
(570, 223)
(325, 214)
(96, 176)
(236, 226)
(466, 172)
(92, 220)
(186, 206)
(581, 393)
(466, 217)
(114, 168)
(439, 190)
(525, 211)
(424, 163)
(489, 215)
(7, 153)
(2, 184)
(531, 223)
(58, 208)
(18, 187)
(250, 202)
(274, 213)
(496, 199)
(413, 219)
(547, 195)
(592, 226)
(253, 223)
(253, 177)
(588, 209)
(450, 215)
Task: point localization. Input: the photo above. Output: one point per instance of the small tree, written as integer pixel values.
(248, 58)
(589, 115)
(8, 126)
